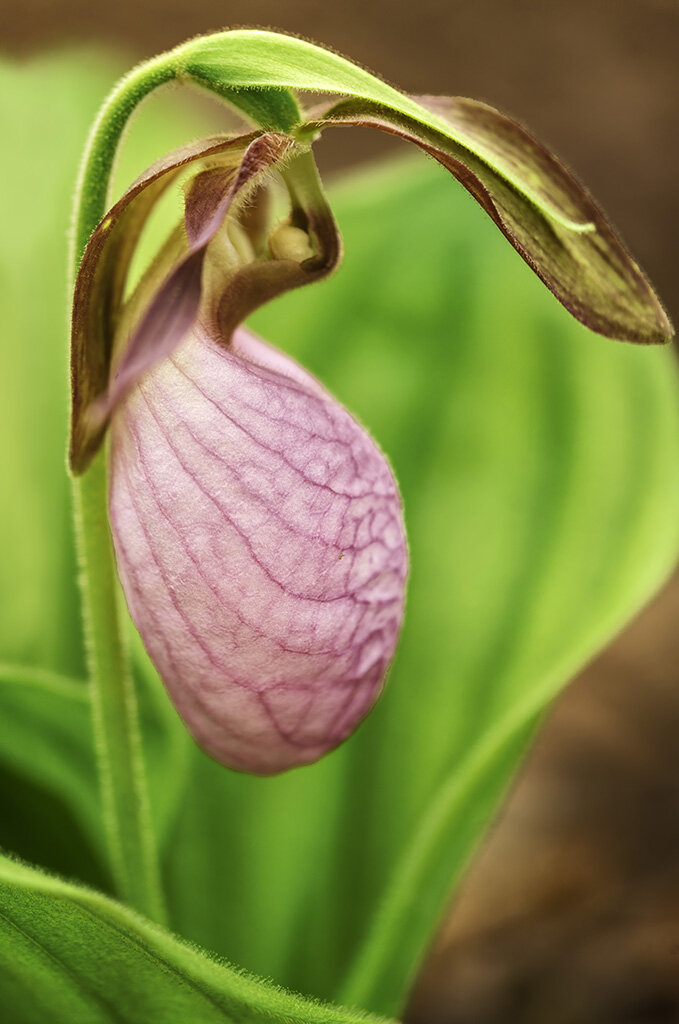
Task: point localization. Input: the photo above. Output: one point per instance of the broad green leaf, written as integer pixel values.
(539, 468)
(69, 954)
(48, 790)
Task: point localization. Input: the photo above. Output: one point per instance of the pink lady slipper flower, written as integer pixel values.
(257, 527)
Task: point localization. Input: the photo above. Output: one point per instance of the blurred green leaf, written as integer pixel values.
(50, 798)
(68, 954)
(51, 804)
(46, 106)
(167, 744)
(539, 471)
(48, 790)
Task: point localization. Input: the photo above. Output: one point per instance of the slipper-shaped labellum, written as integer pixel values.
(260, 542)
(257, 527)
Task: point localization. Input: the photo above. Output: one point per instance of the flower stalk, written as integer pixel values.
(115, 719)
(126, 811)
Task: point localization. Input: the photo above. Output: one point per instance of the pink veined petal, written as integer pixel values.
(260, 541)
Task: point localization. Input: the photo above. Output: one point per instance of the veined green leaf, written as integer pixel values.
(69, 954)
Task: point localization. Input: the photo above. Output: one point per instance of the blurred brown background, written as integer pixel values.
(571, 913)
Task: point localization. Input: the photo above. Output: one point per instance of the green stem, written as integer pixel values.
(122, 775)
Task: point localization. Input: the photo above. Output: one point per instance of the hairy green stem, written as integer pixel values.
(122, 774)
(125, 803)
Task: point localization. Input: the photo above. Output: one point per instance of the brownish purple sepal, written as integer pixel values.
(540, 208)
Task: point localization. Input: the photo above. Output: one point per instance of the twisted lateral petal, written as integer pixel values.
(260, 541)
(115, 342)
